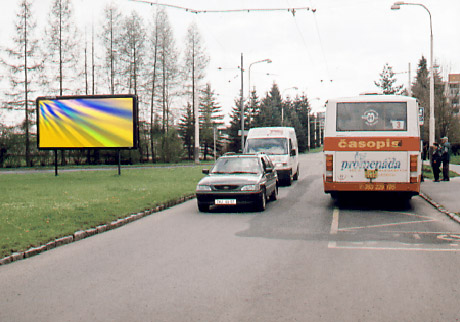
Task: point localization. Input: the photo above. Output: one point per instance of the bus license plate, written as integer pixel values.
(371, 174)
(225, 202)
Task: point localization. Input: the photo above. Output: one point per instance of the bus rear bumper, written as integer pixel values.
(412, 188)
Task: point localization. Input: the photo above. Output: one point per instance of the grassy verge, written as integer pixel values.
(315, 150)
(455, 159)
(428, 173)
(39, 207)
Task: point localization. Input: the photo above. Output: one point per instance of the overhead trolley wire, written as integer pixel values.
(291, 10)
(322, 48)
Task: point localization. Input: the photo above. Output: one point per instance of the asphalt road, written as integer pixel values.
(306, 258)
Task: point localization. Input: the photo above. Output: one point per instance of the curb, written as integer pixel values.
(82, 234)
(440, 207)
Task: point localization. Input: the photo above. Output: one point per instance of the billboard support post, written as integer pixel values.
(119, 161)
(55, 163)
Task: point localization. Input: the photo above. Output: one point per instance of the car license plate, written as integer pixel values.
(225, 202)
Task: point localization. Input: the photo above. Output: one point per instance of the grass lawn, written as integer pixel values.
(315, 150)
(428, 173)
(455, 159)
(38, 207)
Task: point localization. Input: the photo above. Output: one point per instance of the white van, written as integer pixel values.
(280, 143)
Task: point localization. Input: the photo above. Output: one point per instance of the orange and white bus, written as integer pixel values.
(372, 143)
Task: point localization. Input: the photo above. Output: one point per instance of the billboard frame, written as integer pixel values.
(135, 120)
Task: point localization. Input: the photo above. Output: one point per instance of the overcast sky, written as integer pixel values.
(338, 49)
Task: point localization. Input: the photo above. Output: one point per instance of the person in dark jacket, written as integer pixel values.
(436, 161)
(445, 158)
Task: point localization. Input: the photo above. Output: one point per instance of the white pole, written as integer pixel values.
(214, 134)
(409, 87)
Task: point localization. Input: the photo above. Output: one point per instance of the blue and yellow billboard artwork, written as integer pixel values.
(74, 122)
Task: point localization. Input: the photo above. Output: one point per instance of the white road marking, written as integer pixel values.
(387, 225)
(333, 245)
(335, 221)
(373, 245)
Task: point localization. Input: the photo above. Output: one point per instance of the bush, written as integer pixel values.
(172, 149)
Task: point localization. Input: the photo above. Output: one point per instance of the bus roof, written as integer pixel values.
(373, 98)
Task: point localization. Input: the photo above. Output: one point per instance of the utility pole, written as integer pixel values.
(196, 150)
(242, 106)
(308, 128)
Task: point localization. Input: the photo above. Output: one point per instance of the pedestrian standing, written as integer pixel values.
(445, 158)
(436, 161)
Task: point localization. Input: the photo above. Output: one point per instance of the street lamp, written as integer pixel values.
(249, 72)
(282, 106)
(242, 99)
(396, 6)
(267, 60)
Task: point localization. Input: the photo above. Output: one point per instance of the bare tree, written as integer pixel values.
(168, 68)
(195, 63)
(152, 71)
(24, 65)
(62, 56)
(111, 38)
(132, 51)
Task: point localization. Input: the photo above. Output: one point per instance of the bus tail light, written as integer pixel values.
(329, 167)
(413, 168)
(413, 163)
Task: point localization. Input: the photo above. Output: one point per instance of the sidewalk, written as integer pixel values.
(444, 195)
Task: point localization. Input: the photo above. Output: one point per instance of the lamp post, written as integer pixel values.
(396, 6)
(308, 126)
(267, 60)
(282, 106)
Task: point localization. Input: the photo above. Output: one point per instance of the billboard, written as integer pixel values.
(87, 122)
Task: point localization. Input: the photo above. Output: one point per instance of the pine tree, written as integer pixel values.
(253, 109)
(270, 109)
(299, 117)
(421, 91)
(235, 126)
(387, 80)
(210, 116)
(24, 66)
(187, 130)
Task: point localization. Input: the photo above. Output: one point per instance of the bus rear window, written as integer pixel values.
(372, 116)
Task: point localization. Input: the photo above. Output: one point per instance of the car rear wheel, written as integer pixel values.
(296, 175)
(262, 203)
(274, 194)
(203, 207)
(289, 179)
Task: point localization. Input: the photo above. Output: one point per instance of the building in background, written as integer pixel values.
(453, 91)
